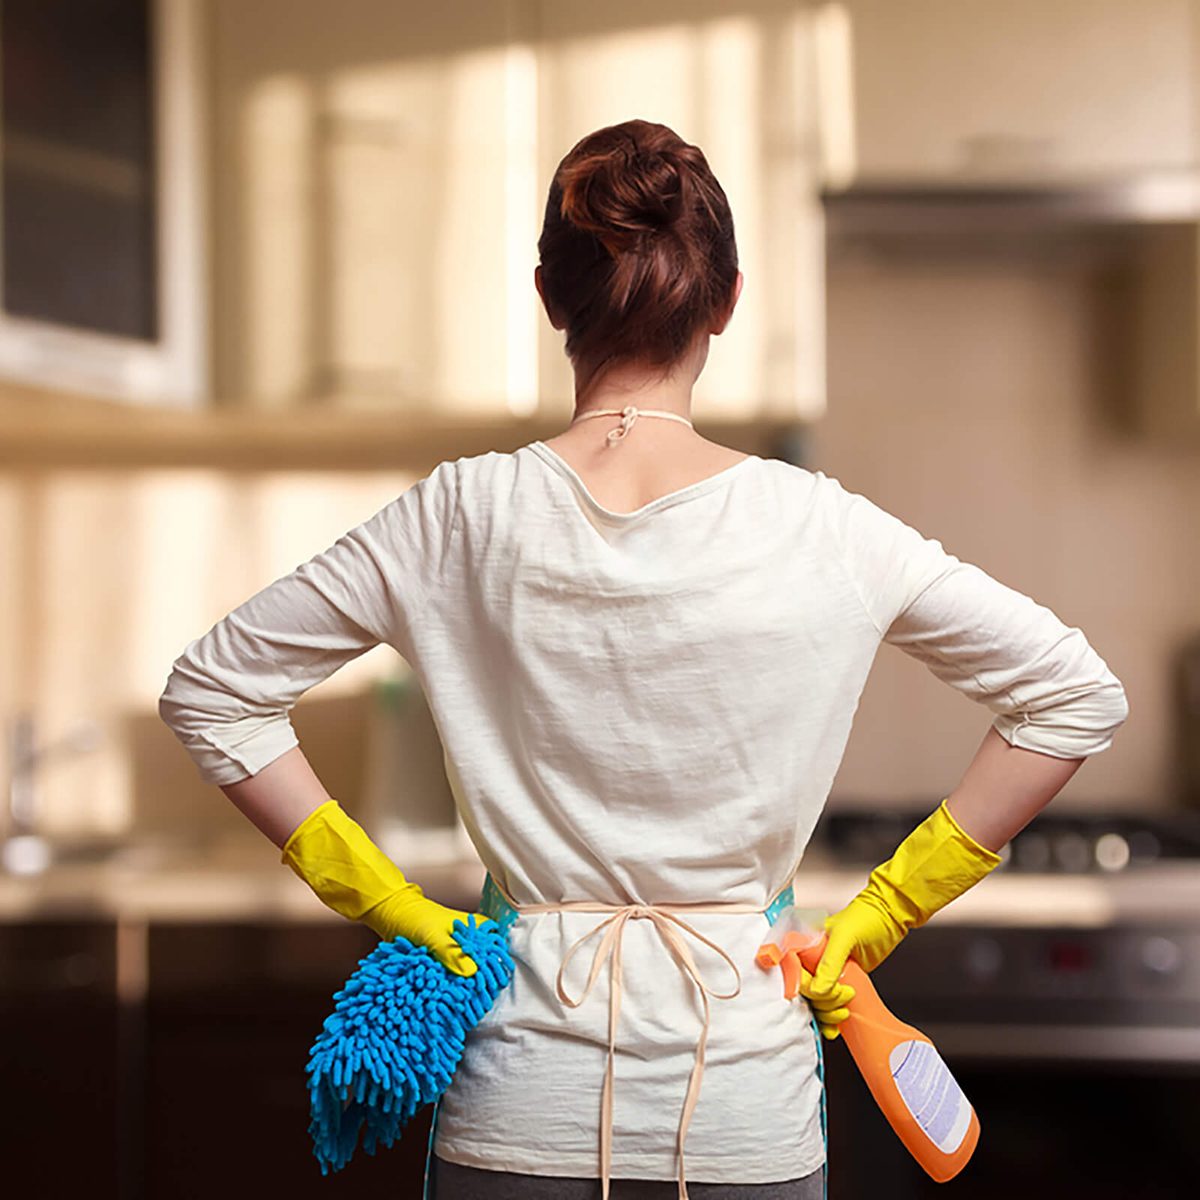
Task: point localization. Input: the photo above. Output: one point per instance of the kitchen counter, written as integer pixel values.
(191, 890)
(259, 888)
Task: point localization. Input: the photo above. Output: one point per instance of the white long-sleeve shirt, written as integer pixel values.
(644, 707)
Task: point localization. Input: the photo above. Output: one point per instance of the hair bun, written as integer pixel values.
(623, 196)
(637, 254)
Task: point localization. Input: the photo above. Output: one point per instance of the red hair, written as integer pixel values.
(637, 248)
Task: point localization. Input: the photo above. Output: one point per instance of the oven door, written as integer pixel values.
(1079, 1049)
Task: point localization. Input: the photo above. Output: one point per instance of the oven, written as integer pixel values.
(1064, 994)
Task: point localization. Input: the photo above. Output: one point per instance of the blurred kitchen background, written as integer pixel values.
(263, 264)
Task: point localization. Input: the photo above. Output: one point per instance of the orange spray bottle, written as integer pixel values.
(906, 1075)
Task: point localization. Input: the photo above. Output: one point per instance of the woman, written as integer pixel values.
(643, 652)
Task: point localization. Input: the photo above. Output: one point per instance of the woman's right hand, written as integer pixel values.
(829, 1007)
(938, 861)
(865, 931)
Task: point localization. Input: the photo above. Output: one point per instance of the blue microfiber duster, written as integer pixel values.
(395, 1038)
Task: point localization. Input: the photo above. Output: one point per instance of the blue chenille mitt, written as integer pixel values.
(395, 1038)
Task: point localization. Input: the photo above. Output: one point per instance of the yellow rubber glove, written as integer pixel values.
(830, 1008)
(332, 853)
(936, 863)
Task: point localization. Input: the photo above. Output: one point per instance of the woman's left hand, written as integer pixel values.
(829, 1007)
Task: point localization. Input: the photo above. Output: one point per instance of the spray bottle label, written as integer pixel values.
(931, 1093)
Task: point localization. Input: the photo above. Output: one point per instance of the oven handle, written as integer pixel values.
(1108, 1043)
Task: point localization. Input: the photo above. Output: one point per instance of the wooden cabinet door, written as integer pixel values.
(383, 176)
(232, 1012)
(65, 1127)
(362, 206)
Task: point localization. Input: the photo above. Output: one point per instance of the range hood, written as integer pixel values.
(988, 206)
(1148, 227)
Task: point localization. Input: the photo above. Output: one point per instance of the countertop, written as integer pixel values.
(257, 887)
(187, 888)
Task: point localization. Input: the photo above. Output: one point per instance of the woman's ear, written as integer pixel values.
(537, 283)
(725, 317)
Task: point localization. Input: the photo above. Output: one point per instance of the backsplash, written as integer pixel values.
(984, 405)
(114, 573)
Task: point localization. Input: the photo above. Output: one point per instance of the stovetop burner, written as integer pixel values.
(1069, 843)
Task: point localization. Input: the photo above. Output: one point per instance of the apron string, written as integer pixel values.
(668, 925)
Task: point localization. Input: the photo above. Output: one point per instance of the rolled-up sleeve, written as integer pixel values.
(229, 693)
(1048, 688)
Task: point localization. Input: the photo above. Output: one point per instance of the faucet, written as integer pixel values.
(24, 851)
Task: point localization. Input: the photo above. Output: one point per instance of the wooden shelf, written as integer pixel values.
(41, 430)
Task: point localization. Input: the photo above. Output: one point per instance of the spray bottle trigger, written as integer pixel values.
(793, 930)
(768, 956)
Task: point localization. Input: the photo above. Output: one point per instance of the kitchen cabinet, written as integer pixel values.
(383, 180)
(151, 1056)
(231, 1012)
(968, 90)
(102, 271)
(64, 1127)
(362, 206)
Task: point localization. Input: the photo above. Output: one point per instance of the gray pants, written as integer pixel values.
(450, 1181)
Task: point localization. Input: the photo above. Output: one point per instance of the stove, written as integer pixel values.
(1064, 993)
(1087, 949)
(1064, 843)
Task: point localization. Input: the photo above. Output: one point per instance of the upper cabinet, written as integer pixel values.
(381, 176)
(1015, 90)
(364, 206)
(102, 179)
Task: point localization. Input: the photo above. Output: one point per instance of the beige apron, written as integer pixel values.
(671, 930)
